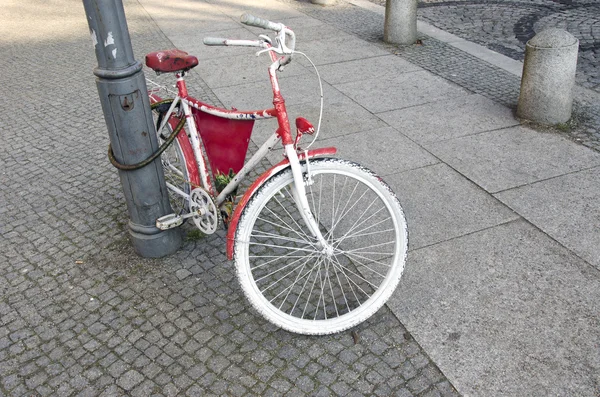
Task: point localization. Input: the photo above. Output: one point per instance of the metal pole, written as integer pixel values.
(122, 90)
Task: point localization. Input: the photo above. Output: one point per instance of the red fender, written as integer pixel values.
(258, 183)
(186, 147)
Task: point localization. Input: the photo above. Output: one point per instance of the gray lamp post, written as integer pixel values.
(122, 90)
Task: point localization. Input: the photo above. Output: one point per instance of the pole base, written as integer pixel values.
(150, 242)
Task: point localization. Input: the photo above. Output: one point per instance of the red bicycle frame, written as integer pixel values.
(226, 133)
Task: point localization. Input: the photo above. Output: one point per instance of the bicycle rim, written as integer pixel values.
(174, 168)
(294, 282)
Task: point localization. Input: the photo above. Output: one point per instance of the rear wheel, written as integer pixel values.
(173, 160)
(303, 287)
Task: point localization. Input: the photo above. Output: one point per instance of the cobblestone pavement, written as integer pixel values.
(503, 26)
(506, 25)
(81, 314)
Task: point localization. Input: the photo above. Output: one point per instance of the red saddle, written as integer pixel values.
(170, 61)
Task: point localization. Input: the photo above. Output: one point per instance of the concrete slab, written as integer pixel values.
(241, 69)
(384, 150)
(566, 208)
(308, 29)
(503, 159)
(505, 311)
(187, 17)
(267, 9)
(382, 67)
(340, 118)
(441, 204)
(343, 47)
(450, 118)
(194, 45)
(408, 89)
(299, 89)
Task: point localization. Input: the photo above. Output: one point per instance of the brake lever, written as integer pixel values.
(274, 49)
(265, 38)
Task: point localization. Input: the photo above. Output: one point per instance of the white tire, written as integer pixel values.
(295, 283)
(174, 164)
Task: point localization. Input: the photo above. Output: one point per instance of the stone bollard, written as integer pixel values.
(400, 26)
(548, 77)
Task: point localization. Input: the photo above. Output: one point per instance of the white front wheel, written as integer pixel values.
(298, 283)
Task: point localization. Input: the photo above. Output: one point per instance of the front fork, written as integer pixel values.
(299, 195)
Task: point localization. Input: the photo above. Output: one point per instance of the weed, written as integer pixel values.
(194, 235)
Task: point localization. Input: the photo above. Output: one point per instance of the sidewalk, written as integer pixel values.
(502, 282)
(501, 288)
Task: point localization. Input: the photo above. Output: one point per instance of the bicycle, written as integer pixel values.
(319, 243)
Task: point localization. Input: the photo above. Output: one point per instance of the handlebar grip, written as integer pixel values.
(251, 20)
(214, 41)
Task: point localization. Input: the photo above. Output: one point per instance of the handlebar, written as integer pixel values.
(251, 20)
(282, 33)
(214, 41)
(285, 40)
(229, 42)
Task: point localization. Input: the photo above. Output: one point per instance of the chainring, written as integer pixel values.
(206, 214)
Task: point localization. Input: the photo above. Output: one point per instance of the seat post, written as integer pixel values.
(181, 87)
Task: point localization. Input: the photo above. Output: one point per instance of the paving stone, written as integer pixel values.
(119, 324)
(503, 159)
(440, 204)
(563, 209)
(515, 253)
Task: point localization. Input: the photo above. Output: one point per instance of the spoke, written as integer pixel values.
(311, 289)
(298, 278)
(342, 288)
(368, 247)
(360, 234)
(370, 260)
(279, 237)
(348, 280)
(385, 254)
(274, 246)
(287, 227)
(175, 170)
(337, 313)
(321, 296)
(336, 210)
(304, 286)
(357, 225)
(275, 258)
(316, 265)
(285, 209)
(355, 256)
(278, 270)
(346, 210)
(288, 287)
(344, 269)
(350, 209)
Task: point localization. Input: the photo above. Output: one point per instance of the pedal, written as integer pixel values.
(169, 221)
